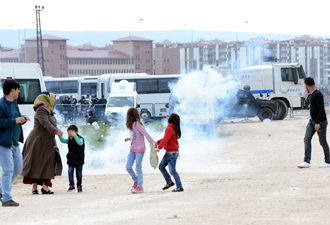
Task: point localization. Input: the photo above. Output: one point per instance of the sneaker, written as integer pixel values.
(10, 203)
(167, 186)
(324, 165)
(304, 165)
(178, 189)
(134, 185)
(137, 190)
(79, 189)
(71, 188)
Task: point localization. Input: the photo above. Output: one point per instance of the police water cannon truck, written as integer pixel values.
(123, 96)
(282, 82)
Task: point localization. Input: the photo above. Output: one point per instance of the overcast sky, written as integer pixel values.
(278, 17)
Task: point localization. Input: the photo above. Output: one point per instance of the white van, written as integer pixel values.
(122, 97)
(30, 78)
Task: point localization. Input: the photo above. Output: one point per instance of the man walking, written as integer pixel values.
(10, 134)
(317, 123)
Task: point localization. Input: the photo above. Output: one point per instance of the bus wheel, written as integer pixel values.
(145, 116)
(282, 110)
(265, 113)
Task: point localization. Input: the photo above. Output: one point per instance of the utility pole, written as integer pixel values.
(40, 52)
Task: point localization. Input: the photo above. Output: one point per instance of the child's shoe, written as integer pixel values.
(178, 189)
(167, 186)
(71, 188)
(137, 190)
(79, 189)
(134, 185)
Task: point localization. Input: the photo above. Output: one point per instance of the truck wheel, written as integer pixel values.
(265, 113)
(282, 110)
(145, 115)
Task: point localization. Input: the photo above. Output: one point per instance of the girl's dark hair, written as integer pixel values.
(73, 127)
(132, 116)
(8, 85)
(175, 119)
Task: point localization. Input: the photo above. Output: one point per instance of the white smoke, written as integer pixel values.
(199, 94)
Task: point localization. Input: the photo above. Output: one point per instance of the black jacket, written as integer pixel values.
(76, 155)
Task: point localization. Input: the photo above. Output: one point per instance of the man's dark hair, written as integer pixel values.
(9, 84)
(309, 81)
(73, 127)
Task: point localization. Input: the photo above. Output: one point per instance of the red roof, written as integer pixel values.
(95, 54)
(133, 38)
(47, 37)
(8, 53)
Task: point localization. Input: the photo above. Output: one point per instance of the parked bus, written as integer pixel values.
(153, 91)
(30, 78)
(75, 86)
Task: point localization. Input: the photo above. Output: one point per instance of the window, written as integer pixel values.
(29, 90)
(137, 48)
(137, 57)
(137, 66)
(89, 88)
(147, 86)
(163, 84)
(288, 74)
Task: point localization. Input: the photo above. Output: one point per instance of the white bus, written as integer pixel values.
(75, 86)
(153, 91)
(30, 78)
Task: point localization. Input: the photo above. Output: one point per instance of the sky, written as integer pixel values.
(278, 17)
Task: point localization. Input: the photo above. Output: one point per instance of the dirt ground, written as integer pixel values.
(265, 188)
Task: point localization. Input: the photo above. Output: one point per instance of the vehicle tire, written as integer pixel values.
(283, 110)
(145, 115)
(265, 113)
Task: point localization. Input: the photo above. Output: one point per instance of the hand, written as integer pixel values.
(20, 120)
(71, 133)
(317, 127)
(127, 139)
(157, 150)
(156, 145)
(59, 133)
(27, 118)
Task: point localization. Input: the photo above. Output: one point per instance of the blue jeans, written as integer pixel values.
(78, 175)
(322, 132)
(170, 160)
(138, 156)
(12, 164)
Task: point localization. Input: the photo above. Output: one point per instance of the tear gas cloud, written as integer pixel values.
(198, 95)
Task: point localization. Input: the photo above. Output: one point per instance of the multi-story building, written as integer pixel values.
(166, 59)
(96, 61)
(9, 55)
(140, 49)
(54, 52)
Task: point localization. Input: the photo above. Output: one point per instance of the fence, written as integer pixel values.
(79, 112)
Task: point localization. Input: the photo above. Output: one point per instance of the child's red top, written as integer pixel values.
(170, 140)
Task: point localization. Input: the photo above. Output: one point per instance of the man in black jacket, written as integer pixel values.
(317, 123)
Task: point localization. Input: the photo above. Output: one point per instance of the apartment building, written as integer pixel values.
(8, 55)
(141, 51)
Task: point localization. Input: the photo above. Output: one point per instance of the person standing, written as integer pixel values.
(10, 134)
(317, 123)
(170, 143)
(41, 157)
(75, 156)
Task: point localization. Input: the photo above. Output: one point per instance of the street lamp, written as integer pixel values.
(19, 43)
(237, 44)
(130, 43)
(192, 48)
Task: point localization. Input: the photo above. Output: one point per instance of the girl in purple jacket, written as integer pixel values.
(138, 148)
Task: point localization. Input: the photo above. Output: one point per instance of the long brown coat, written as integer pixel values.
(41, 158)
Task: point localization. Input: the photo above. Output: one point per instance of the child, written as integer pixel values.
(76, 156)
(137, 148)
(171, 144)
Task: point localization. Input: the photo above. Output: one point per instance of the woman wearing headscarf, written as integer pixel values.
(41, 158)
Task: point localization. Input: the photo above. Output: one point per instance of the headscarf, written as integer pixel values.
(45, 99)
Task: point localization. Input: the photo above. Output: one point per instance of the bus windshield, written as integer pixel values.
(29, 90)
(88, 88)
(121, 102)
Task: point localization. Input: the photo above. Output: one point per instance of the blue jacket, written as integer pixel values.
(7, 122)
